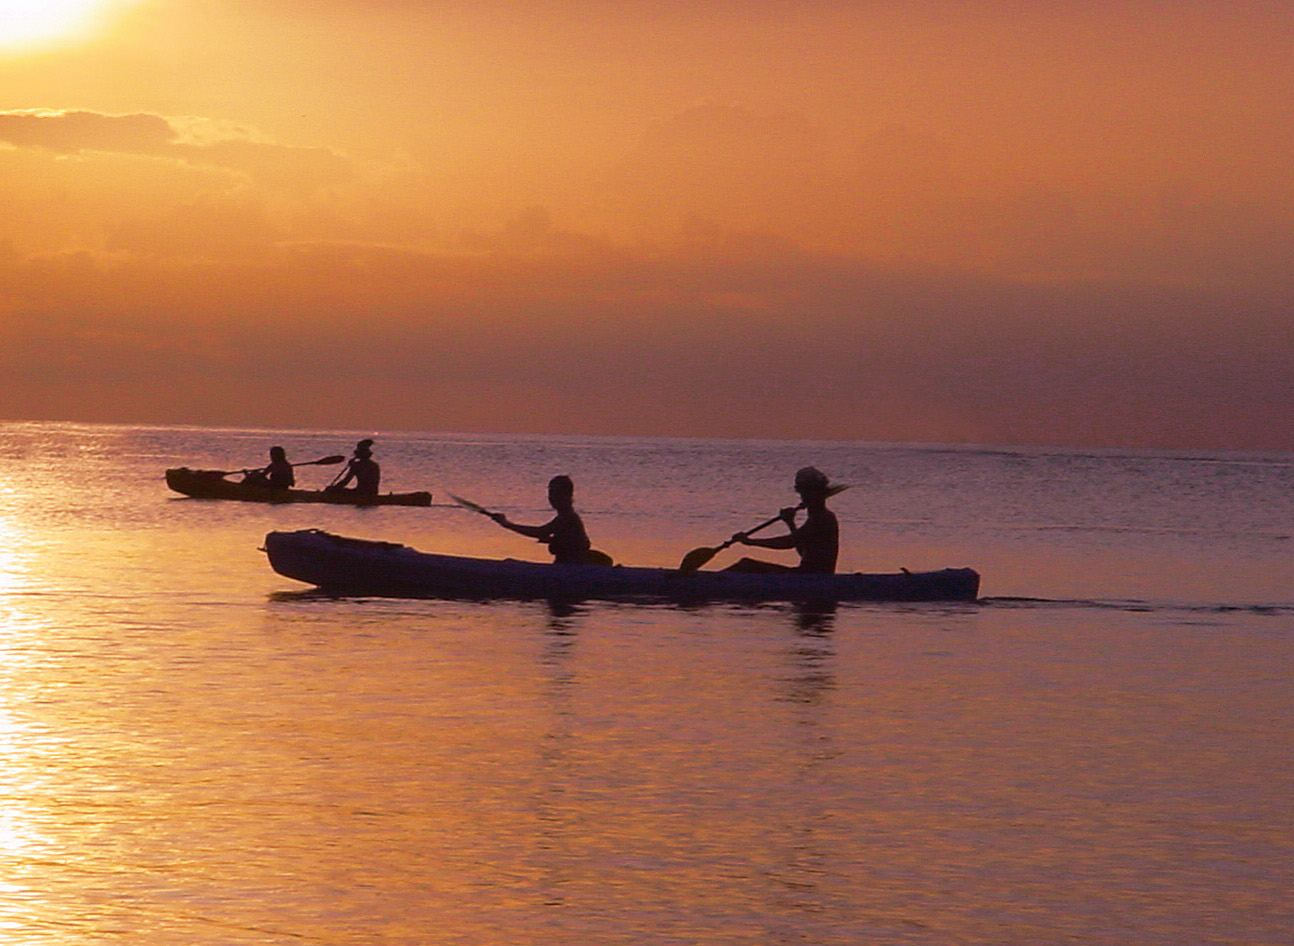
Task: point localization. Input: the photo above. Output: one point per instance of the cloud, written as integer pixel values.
(145, 184)
(72, 132)
(271, 164)
(77, 132)
(716, 344)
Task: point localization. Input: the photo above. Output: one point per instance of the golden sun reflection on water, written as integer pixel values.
(12, 570)
(21, 840)
(23, 774)
(16, 781)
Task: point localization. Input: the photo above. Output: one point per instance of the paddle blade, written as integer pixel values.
(326, 461)
(696, 559)
(468, 504)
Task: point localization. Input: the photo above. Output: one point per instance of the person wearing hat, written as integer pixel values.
(363, 469)
(816, 540)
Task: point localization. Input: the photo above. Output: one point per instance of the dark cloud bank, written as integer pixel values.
(703, 344)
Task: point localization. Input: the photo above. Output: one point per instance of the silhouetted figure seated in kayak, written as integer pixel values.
(817, 539)
(564, 533)
(363, 470)
(278, 475)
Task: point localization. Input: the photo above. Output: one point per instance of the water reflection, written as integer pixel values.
(562, 614)
(13, 567)
(556, 823)
(806, 864)
(23, 770)
(816, 617)
(811, 677)
(18, 778)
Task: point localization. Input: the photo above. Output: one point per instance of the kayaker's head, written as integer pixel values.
(364, 448)
(277, 454)
(811, 483)
(561, 492)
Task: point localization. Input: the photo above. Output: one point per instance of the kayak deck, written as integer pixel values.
(362, 567)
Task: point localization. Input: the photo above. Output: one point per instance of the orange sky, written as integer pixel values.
(1008, 222)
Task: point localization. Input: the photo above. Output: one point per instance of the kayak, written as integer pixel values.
(344, 565)
(211, 484)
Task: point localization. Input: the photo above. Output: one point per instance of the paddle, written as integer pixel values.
(595, 557)
(322, 461)
(468, 504)
(701, 556)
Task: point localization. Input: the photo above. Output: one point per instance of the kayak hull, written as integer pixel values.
(342, 565)
(211, 484)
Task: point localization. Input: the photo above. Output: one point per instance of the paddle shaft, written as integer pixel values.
(322, 461)
(341, 474)
(475, 507)
(595, 557)
(763, 525)
(696, 558)
(478, 508)
(831, 491)
(701, 556)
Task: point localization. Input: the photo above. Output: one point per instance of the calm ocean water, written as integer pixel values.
(193, 752)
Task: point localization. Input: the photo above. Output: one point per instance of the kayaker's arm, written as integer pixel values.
(780, 542)
(787, 541)
(344, 479)
(541, 533)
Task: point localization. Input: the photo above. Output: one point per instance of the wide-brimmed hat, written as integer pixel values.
(809, 479)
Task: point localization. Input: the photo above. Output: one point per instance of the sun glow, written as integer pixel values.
(27, 23)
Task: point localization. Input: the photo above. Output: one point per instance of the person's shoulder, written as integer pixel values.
(826, 519)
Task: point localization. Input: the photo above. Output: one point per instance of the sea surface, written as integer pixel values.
(195, 750)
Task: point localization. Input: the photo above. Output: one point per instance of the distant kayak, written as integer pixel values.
(211, 484)
(358, 566)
